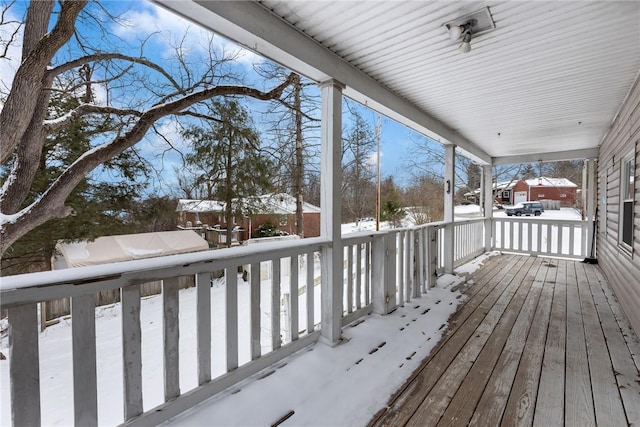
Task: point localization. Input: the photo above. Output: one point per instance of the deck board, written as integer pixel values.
(539, 342)
(550, 412)
(442, 393)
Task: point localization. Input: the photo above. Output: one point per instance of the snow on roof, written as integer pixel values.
(127, 247)
(280, 204)
(192, 205)
(505, 184)
(550, 182)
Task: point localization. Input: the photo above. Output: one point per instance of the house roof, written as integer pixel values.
(199, 206)
(549, 182)
(283, 204)
(280, 203)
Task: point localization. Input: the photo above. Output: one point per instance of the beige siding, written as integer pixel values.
(622, 269)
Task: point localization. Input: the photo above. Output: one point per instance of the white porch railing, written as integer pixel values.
(20, 295)
(469, 240)
(381, 270)
(562, 238)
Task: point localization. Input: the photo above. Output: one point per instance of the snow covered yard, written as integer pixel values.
(355, 378)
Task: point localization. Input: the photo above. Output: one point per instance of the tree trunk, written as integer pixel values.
(299, 159)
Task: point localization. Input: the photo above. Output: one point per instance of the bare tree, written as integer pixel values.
(358, 188)
(146, 92)
(293, 133)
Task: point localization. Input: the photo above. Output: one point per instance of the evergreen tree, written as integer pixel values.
(227, 158)
(391, 204)
(101, 207)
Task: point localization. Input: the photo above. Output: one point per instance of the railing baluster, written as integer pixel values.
(415, 290)
(401, 267)
(231, 302)
(549, 239)
(256, 348)
(85, 385)
(420, 259)
(24, 366)
(367, 277)
(358, 275)
(407, 266)
(349, 249)
(540, 226)
(131, 351)
(432, 253)
(310, 292)
(294, 292)
(275, 304)
(171, 335)
(203, 325)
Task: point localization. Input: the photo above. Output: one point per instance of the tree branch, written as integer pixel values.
(20, 104)
(51, 204)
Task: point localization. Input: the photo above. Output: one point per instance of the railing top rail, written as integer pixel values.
(73, 281)
(361, 236)
(469, 220)
(539, 220)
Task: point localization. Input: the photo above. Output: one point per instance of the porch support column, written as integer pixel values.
(589, 204)
(331, 210)
(449, 191)
(487, 203)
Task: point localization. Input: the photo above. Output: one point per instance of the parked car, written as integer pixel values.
(525, 208)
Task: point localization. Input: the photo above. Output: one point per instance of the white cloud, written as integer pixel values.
(171, 30)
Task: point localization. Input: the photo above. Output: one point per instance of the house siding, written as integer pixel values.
(621, 267)
(565, 195)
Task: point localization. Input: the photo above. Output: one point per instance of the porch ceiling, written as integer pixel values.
(545, 84)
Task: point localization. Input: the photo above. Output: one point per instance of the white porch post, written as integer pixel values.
(331, 210)
(487, 197)
(449, 190)
(590, 169)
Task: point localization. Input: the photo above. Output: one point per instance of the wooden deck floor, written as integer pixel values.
(539, 342)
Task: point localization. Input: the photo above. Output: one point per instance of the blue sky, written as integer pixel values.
(162, 31)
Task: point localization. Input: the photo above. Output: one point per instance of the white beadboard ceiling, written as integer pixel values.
(546, 83)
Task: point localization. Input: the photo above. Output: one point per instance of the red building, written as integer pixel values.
(276, 209)
(544, 188)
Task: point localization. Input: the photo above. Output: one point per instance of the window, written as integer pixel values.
(506, 194)
(627, 193)
(283, 220)
(540, 195)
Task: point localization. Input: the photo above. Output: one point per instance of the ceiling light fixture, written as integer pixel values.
(463, 31)
(468, 26)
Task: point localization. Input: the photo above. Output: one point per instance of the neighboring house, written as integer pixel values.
(198, 212)
(276, 209)
(503, 192)
(280, 210)
(530, 190)
(543, 188)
